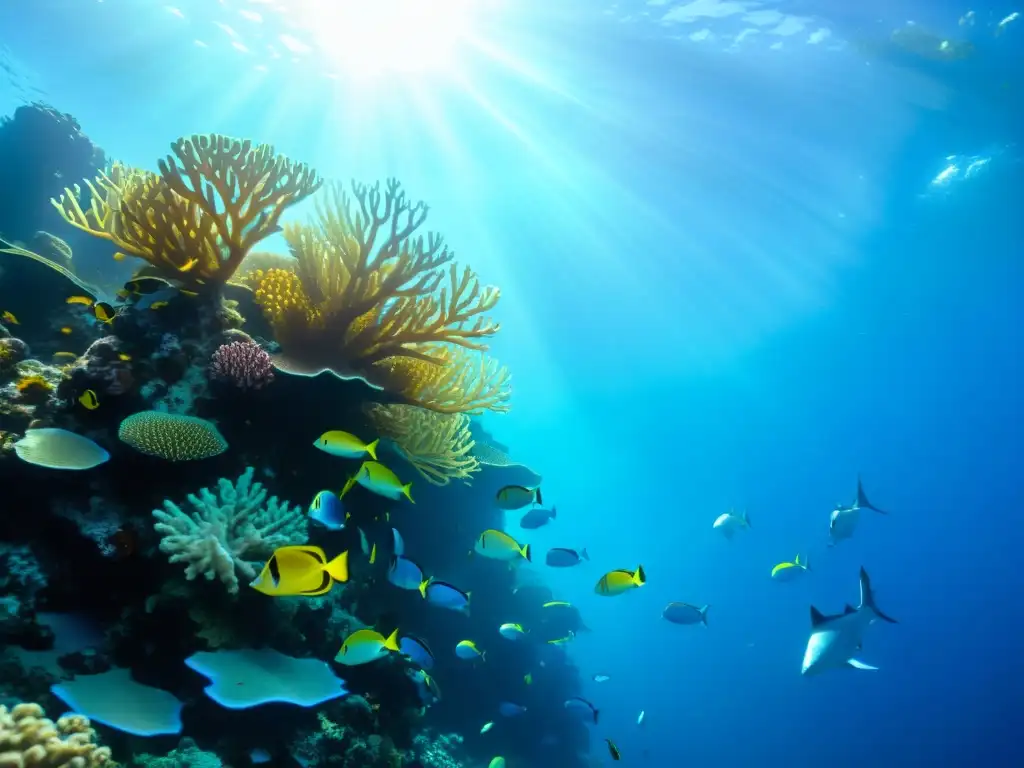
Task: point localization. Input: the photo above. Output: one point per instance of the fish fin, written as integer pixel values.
(817, 617)
(348, 486)
(392, 642)
(407, 492)
(373, 554)
(848, 610)
(867, 597)
(807, 563)
(337, 569)
(639, 577)
(862, 499)
(553, 512)
(371, 449)
(796, 560)
(704, 615)
(859, 664)
(583, 554)
(526, 553)
(537, 496)
(746, 518)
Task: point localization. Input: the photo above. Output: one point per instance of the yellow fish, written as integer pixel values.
(300, 570)
(366, 645)
(64, 356)
(563, 640)
(183, 292)
(616, 582)
(89, 400)
(790, 571)
(9, 317)
(85, 300)
(513, 497)
(345, 445)
(375, 477)
(124, 357)
(66, 330)
(159, 304)
(498, 545)
(467, 649)
(103, 311)
(119, 256)
(188, 265)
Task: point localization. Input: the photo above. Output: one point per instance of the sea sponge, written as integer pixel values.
(437, 445)
(29, 740)
(172, 436)
(368, 298)
(33, 389)
(228, 532)
(214, 199)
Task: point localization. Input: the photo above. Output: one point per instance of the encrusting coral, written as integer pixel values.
(195, 220)
(227, 534)
(29, 740)
(367, 298)
(438, 445)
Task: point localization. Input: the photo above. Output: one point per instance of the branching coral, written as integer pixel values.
(438, 445)
(28, 738)
(195, 221)
(369, 298)
(227, 534)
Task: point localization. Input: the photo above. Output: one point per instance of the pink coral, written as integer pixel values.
(242, 363)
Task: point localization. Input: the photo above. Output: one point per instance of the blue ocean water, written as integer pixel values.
(748, 252)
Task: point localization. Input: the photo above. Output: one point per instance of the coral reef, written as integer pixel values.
(228, 533)
(171, 436)
(366, 300)
(437, 445)
(242, 364)
(214, 199)
(29, 739)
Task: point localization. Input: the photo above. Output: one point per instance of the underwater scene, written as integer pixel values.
(510, 383)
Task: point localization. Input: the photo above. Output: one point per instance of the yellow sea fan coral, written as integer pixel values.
(368, 298)
(438, 445)
(196, 220)
(28, 738)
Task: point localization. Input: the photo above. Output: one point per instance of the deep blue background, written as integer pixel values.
(725, 285)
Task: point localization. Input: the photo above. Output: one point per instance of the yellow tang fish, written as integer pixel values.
(366, 645)
(498, 545)
(159, 304)
(104, 312)
(300, 570)
(345, 445)
(85, 300)
(66, 330)
(375, 477)
(513, 497)
(616, 582)
(89, 400)
(790, 571)
(8, 317)
(124, 357)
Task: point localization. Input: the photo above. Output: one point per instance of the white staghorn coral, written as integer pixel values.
(228, 533)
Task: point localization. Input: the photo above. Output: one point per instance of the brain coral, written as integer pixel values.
(172, 436)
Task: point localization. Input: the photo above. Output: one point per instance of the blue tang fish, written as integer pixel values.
(508, 709)
(405, 574)
(445, 595)
(417, 651)
(537, 518)
(565, 558)
(327, 509)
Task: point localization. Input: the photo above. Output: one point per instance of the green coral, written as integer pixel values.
(229, 533)
(187, 755)
(172, 436)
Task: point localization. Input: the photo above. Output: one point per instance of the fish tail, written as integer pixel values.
(423, 587)
(407, 492)
(597, 714)
(526, 553)
(704, 615)
(337, 569)
(583, 554)
(639, 577)
(746, 518)
(392, 642)
(373, 555)
(553, 512)
(348, 486)
(371, 448)
(536, 493)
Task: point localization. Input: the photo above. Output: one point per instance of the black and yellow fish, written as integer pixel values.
(300, 570)
(104, 312)
(89, 400)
